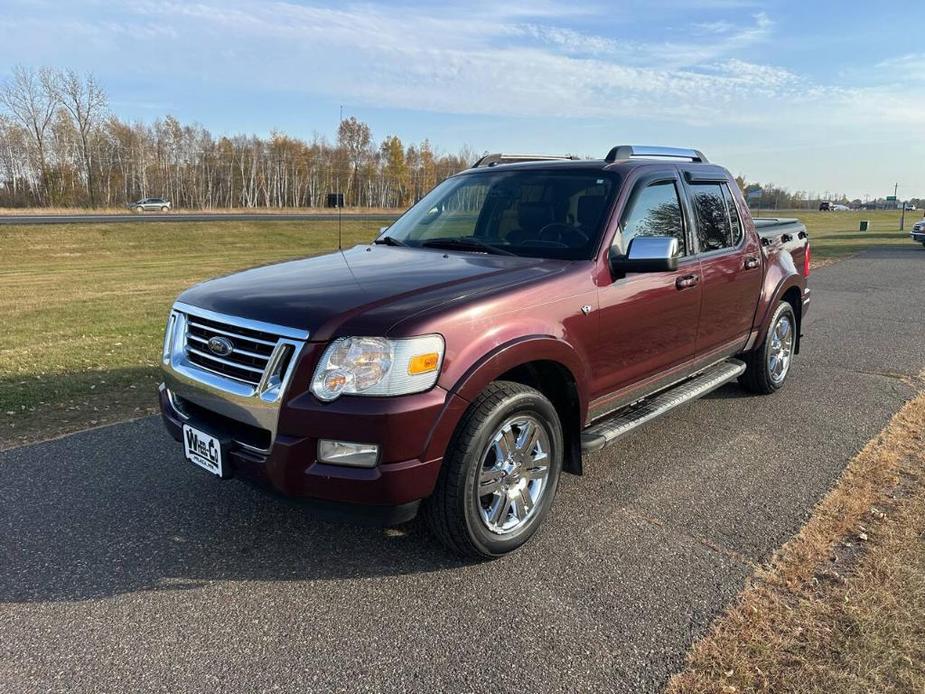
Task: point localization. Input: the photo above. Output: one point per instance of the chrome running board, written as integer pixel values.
(606, 431)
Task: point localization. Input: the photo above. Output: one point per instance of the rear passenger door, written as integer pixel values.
(730, 266)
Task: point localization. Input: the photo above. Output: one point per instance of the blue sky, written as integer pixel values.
(811, 95)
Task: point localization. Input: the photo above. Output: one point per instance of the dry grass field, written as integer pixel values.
(84, 304)
(84, 307)
(18, 211)
(840, 607)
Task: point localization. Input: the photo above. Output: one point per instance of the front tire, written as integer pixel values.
(500, 473)
(139, 209)
(165, 209)
(768, 365)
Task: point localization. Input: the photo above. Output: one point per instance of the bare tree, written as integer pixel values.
(29, 100)
(58, 145)
(85, 102)
(355, 137)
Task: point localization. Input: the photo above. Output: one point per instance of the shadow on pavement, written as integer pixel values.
(117, 510)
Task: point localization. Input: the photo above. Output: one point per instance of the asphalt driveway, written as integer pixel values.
(122, 568)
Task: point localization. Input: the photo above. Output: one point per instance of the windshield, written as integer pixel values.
(541, 214)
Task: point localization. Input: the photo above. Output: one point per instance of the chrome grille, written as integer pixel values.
(252, 349)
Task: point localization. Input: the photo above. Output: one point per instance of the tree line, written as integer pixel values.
(60, 146)
(769, 196)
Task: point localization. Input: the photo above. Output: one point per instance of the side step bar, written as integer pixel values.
(605, 432)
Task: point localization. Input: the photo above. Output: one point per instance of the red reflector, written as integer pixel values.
(806, 261)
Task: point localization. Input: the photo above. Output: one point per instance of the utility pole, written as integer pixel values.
(902, 215)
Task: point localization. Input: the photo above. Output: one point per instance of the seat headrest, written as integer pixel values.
(590, 209)
(532, 216)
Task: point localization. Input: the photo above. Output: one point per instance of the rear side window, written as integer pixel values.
(734, 220)
(713, 229)
(655, 211)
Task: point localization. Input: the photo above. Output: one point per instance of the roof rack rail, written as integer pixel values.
(629, 151)
(499, 158)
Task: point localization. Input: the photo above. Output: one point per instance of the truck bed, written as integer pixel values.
(783, 235)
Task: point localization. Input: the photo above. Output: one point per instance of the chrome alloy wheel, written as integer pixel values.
(780, 349)
(513, 474)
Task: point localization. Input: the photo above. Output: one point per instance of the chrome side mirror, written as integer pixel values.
(647, 254)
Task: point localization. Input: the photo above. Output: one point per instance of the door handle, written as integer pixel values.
(686, 282)
(751, 262)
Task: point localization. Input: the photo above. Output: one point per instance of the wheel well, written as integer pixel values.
(557, 383)
(793, 297)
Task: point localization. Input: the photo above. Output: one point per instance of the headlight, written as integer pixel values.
(378, 366)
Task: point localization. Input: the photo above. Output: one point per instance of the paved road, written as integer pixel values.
(186, 217)
(124, 569)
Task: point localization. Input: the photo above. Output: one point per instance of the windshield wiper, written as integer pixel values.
(389, 241)
(468, 243)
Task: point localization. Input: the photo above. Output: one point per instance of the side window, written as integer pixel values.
(733, 216)
(655, 211)
(713, 231)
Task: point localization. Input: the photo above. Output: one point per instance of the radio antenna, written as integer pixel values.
(340, 208)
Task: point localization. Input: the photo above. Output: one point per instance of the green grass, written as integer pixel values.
(84, 305)
(835, 235)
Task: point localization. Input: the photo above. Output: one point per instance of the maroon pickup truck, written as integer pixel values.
(525, 312)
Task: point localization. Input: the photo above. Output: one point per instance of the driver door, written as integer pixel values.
(648, 321)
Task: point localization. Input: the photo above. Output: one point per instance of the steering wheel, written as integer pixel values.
(558, 232)
(540, 243)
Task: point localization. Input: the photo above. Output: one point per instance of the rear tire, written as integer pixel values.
(500, 473)
(768, 365)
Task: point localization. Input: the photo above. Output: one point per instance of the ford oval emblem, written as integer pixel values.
(221, 346)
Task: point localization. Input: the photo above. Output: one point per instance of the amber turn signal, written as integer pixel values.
(423, 363)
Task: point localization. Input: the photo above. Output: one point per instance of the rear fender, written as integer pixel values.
(794, 283)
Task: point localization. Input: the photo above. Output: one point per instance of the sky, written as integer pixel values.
(812, 95)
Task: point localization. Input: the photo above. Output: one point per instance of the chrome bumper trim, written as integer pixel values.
(257, 405)
(280, 330)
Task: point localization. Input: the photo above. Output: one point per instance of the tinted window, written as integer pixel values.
(733, 216)
(713, 231)
(654, 211)
(538, 213)
(456, 215)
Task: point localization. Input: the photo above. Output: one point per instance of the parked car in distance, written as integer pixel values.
(150, 205)
(519, 316)
(918, 232)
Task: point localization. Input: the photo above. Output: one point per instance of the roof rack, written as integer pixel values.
(629, 151)
(499, 158)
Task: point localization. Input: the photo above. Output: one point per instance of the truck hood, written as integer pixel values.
(368, 287)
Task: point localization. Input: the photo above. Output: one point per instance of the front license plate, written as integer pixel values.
(203, 449)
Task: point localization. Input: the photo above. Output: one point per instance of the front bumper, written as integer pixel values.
(271, 423)
(411, 431)
(918, 236)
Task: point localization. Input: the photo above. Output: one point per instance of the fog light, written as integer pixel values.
(347, 453)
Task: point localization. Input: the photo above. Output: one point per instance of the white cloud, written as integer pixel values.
(519, 59)
(504, 59)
